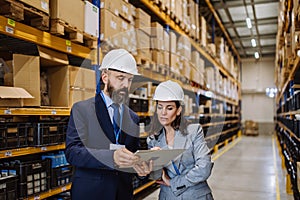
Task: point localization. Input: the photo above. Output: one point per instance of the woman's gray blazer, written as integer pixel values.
(194, 164)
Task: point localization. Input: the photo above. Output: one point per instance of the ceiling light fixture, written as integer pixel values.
(256, 55)
(253, 42)
(248, 21)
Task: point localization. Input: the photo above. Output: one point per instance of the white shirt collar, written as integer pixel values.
(108, 100)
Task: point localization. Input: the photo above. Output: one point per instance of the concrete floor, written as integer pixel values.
(247, 169)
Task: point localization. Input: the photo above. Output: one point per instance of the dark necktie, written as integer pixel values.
(116, 117)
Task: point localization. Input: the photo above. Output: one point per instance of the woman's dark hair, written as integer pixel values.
(180, 123)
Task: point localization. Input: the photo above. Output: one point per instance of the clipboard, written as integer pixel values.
(160, 157)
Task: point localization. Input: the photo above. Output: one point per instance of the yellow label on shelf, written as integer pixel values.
(68, 42)
(11, 22)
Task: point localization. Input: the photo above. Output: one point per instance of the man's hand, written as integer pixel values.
(143, 168)
(125, 158)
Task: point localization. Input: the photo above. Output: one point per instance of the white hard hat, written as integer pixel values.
(168, 91)
(121, 60)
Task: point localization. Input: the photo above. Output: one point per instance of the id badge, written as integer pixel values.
(115, 146)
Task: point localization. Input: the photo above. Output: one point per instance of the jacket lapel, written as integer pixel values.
(179, 140)
(104, 119)
(179, 143)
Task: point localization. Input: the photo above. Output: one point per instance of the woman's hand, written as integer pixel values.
(165, 179)
(155, 148)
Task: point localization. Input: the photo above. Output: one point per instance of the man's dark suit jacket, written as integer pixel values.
(89, 135)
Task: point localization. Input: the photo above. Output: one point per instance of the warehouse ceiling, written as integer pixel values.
(233, 14)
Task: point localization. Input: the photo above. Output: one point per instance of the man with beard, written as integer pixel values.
(103, 133)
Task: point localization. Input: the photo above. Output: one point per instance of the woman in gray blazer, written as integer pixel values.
(185, 177)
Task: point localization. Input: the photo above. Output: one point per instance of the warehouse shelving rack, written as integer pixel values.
(287, 100)
(24, 32)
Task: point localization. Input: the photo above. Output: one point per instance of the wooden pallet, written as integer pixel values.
(12, 9)
(144, 62)
(251, 132)
(24, 13)
(162, 69)
(90, 41)
(61, 28)
(36, 18)
(175, 76)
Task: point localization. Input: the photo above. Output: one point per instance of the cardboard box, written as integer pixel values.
(69, 11)
(166, 40)
(184, 47)
(58, 78)
(125, 26)
(178, 9)
(166, 58)
(203, 32)
(26, 75)
(112, 6)
(51, 58)
(186, 70)
(42, 5)
(91, 19)
(82, 78)
(76, 95)
(173, 42)
(195, 74)
(26, 70)
(13, 96)
(143, 44)
(175, 63)
(157, 30)
(125, 11)
(110, 25)
(156, 43)
(158, 57)
(143, 21)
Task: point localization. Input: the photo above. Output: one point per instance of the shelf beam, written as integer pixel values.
(221, 133)
(51, 192)
(35, 111)
(36, 36)
(290, 113)
(218, 123)
(9, 153)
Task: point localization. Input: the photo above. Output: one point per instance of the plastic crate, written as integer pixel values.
(48, 133)
(61, 175)
(34, 176)
(14, 135)
(8, 187)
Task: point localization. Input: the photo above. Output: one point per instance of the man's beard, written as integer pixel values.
(116, 96)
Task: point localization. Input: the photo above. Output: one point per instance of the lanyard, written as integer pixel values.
(175, 168)
(116, 132)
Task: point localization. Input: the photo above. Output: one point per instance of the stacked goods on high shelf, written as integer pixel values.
(287, 77)
(150, 42)
(49, 79)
